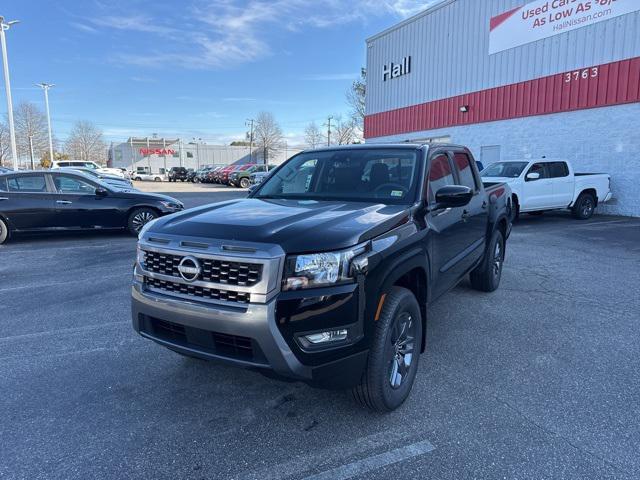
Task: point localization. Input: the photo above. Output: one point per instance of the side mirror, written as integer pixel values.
(453, 196)
(101, 192)
(533, 176)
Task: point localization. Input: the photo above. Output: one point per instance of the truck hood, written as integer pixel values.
(297, 226)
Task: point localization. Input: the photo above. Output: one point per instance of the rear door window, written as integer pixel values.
(465, 172)
(558, 169)
(34, 183)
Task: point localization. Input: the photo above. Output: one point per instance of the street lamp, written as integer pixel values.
(45, 87)
(4, 26)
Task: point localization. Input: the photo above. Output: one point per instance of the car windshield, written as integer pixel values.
(504, 169)
(384, 175)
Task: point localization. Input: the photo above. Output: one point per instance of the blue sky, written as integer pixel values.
(192, 67)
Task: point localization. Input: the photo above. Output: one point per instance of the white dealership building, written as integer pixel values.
(516, 80)
(159, 154)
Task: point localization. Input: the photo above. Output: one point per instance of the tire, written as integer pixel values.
(585, 206)
(138, 179)
(382, 387)
(486, 276)
(157, 179)
(139, 218)
(5, 232)
(245, 183)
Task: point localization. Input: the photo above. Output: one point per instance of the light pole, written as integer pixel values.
(45, 87)
(4, 26)
(249, 123)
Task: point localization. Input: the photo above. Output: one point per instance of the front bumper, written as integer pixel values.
(245, 336)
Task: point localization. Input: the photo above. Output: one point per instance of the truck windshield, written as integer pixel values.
(375, 175)
(504, 169)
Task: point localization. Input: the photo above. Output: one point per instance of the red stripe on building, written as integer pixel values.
(500, 19)
(591, 87)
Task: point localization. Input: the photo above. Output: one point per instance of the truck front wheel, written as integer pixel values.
(585, 207)
(486, 276)
(395, 351)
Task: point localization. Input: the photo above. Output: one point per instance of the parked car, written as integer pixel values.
(220, 175)
(114, 180)
(541, 185)
(241, 177)
(178, 173)
(326, 272)
(55, 200)
(144, 174)
(191, 175)
(258, 177)
(86, 164)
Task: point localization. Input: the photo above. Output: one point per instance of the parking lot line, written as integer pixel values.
(375, 462)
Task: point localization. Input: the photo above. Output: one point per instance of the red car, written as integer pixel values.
(224, 174)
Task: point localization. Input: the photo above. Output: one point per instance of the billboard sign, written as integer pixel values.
(545, 18)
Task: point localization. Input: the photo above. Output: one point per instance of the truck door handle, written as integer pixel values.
(63, 202)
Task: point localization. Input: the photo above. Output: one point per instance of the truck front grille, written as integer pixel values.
(240, 274)
(197, 292)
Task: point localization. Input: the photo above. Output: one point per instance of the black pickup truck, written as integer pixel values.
(326, 272)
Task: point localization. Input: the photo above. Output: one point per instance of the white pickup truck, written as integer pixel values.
(144, 174)
(541, 185)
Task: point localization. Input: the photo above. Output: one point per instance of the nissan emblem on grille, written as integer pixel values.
(189, 268)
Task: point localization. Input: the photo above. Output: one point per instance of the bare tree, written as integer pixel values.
(344, 131)
(313, 136)
(356, 99)
(85, 142)
(268, 135)
(31, 131)
(5, 145)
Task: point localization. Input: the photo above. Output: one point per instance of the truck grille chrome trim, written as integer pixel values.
(194, 291)
(250, 275)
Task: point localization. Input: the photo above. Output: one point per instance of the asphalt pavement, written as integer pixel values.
(540, 379)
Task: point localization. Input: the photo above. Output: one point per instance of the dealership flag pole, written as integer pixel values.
(5, 63)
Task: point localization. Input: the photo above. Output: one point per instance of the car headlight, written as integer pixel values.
(172, 205)
(319, 269)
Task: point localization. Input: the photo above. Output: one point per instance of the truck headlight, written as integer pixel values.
(319, 269)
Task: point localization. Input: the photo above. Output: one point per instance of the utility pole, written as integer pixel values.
(5, 63)
(31, 150)
(45, 87)
(329, 118)
(249, 123)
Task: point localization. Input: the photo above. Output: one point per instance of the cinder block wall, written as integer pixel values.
(600, 140)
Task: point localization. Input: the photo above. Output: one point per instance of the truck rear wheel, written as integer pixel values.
(395, 351)
(585, 207)
(486, 276)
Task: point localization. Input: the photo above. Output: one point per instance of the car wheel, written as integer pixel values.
(138, 179)
(5, 233)
(486, 276)
(395, 351)
(157, 179)
(139, 218)
(245, 183)
(585, 207)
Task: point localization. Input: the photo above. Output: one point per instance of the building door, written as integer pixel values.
(489, 155)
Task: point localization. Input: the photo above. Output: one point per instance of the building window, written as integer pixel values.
(189, 155)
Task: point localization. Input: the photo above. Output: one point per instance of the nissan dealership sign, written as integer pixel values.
(546, 18)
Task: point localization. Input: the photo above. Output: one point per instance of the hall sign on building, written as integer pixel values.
(395, 70)
(145, 152)
(545, 18)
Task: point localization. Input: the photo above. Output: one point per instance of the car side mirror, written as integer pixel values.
(101, 192)
(453, 196)
(533, 176)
